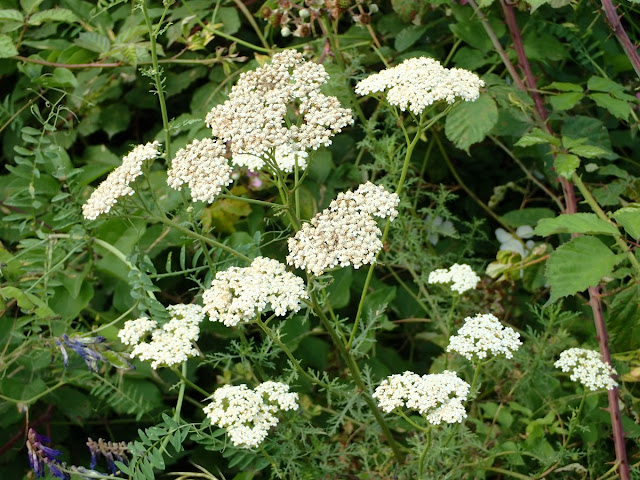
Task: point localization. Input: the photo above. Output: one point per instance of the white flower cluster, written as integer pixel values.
(116, 184)
(484, 334)
(438, 396)
(461, 277)
(169, 345)
(419, 82)
(238, 294)
(345, 233)
(285, 156)
(515, 243)
(587, 368)
(249, 414)
(203, 167)
(254, 118)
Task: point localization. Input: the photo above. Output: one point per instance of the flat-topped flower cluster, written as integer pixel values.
(420, 82)
(169, 345)
(345, 233)
(460, 276)
(248, 414)
(440, 396)
(586, 366)
(484, 334)
(238, 294)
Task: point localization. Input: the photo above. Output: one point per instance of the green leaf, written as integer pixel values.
(27, 301)
(536, 137)
(565, 164)
(601, 84)
(29, 5)
(470, 122)
(230, 20)
(618, 108)
(408, 36)
(591, 129)
(577, 265)
(536, 4)
(564, 87)
(588, 151)
(526, 216)
(7, 48)
(93, 41)
(52, 15)
(115, 119)
(575, 223)
(629, 218)
(565, 101)
(10, 15)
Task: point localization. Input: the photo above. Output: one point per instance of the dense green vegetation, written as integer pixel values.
(533, 183)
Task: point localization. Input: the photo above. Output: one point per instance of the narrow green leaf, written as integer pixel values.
(565, 164)
(577, 265)
(564, 87)
(588, 151)
(575, 223)
(629, 218)
(536, 137)
(11, 15)
(53, 15)
(470, 122)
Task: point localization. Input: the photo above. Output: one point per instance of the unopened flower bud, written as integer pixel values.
(373, 8)
(304, 13)
(285, 32)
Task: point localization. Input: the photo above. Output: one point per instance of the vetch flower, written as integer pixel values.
(484, 334)
(248, 414)
(169, 345)
(86, 347)
(586, 366)
(439, 397)
(203, 167)
(345, 233)
(238, 294)
(419, 82)
(460, 276)
(41, 455)
(111, 451)
(116, 184)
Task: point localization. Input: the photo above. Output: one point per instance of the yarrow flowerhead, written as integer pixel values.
(169, 345)
(41, 455)
(117, 182)
(203, 167)
(238, 294)
(248, 414)
(586, 367)
(254, 118)
(461, 277)
(439, 397)
(484, 334)
(345, 233)
(419, 82)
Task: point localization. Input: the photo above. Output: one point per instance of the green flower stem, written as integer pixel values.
(452, 310)
(572, 425)
(288, 353)
(273, 464)
(603, 216)
(107, 325)
(407, 289)
(158, 80)
(183, 377)
(476, 375)
(411, 422)
(427, 443)
(183, 374)
(230, 196)
(243, 8)
(357, 377)
(245, 344)
(197, 236)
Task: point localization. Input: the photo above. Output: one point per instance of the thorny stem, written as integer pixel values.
(357, 377)
(158, 80)
(627, 45)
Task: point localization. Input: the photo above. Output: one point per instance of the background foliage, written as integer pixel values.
(77, 91)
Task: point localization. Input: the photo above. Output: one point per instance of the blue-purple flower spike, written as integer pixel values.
(86, 347)
(111, 451)
(41, 455)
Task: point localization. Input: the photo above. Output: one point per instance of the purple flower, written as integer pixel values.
(89, 348)
(111, 451)
(41, 455)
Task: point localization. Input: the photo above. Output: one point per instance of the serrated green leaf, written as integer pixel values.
(11, 15)
(564, 87)
(470, 122)
(629, 218)
(7, 48)
(618, 108)
(565, 164)
(575, 223)
(52, 15)
(601, 84)
(536, 137)
(93, 41)
(588, 151)
(578, 265)
(565, 101)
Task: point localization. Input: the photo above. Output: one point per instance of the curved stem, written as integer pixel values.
(182, 375)
(176, 415)
(575, 421)
(411, 422)
(357, 377)
(243, 8)
(158, 80)
(424, 454)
